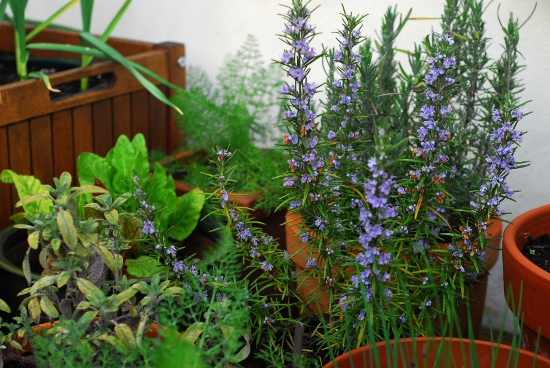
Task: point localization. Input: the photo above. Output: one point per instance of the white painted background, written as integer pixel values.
(212, 29)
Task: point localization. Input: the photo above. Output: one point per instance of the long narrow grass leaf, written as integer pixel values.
(48, 21)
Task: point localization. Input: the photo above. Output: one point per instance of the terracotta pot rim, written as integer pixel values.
(509, 243)
(345, 358)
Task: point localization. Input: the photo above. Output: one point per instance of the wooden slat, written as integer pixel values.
(83, 133)
(36, 98)
(176, 75)
(158, 127)
(41, 149)
(140, 114)
(122, 116)
(63, 146)
(20, 151)
(5, 189)
(103, 126)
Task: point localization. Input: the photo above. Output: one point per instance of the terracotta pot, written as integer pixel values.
(476, 293)
(271, 224)
(456, 353)
(526, 279)
(244, 199)
(298, 252)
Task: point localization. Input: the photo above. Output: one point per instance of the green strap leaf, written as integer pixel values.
(46, 79)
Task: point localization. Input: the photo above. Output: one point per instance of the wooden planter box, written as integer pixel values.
(42, 137)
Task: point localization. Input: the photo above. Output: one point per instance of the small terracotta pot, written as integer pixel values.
(526, 279)
(456, 353)
(476, 293)
(244, 199)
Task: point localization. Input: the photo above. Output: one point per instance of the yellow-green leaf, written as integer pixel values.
(33, 239)
(113, 341)
(63, 278)
(4, 307)
(107, 257)
(125, 336)
(92, 292)
(32, 198)
(43, 258)
(15, 344)
(56, 244)
(24, 291)
(226, 330)
(193, 332)
(123, 296)
(112, 217)
(34, 309)
(87, 318)
(66, 228)
(43, 282)
(119, 261)
(27, 267)
(48, 307)
(83, 305)
(85, 189)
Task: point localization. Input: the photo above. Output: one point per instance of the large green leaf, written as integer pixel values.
(28, 185)
(122, 158)
(186, 214)
(144, 266)
(91, 166)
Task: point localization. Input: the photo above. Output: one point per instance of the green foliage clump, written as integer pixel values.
(237, 114)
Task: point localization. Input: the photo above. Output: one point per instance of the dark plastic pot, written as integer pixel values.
(13, 245)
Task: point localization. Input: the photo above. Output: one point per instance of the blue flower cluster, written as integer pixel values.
(374, 262)
(504, 141)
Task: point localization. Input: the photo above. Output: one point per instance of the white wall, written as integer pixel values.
(212, 29)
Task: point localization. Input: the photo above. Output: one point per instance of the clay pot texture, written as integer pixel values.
(456, 353)
(476, 293)
(526, 280)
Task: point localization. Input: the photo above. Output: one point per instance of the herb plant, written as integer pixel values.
(390, 218)
(239, 113)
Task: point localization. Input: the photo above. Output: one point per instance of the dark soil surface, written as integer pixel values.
(538, 251)
(8, 74)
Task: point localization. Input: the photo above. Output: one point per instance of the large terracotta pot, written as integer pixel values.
(526, 279)
(475, 294)
(456, 353)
